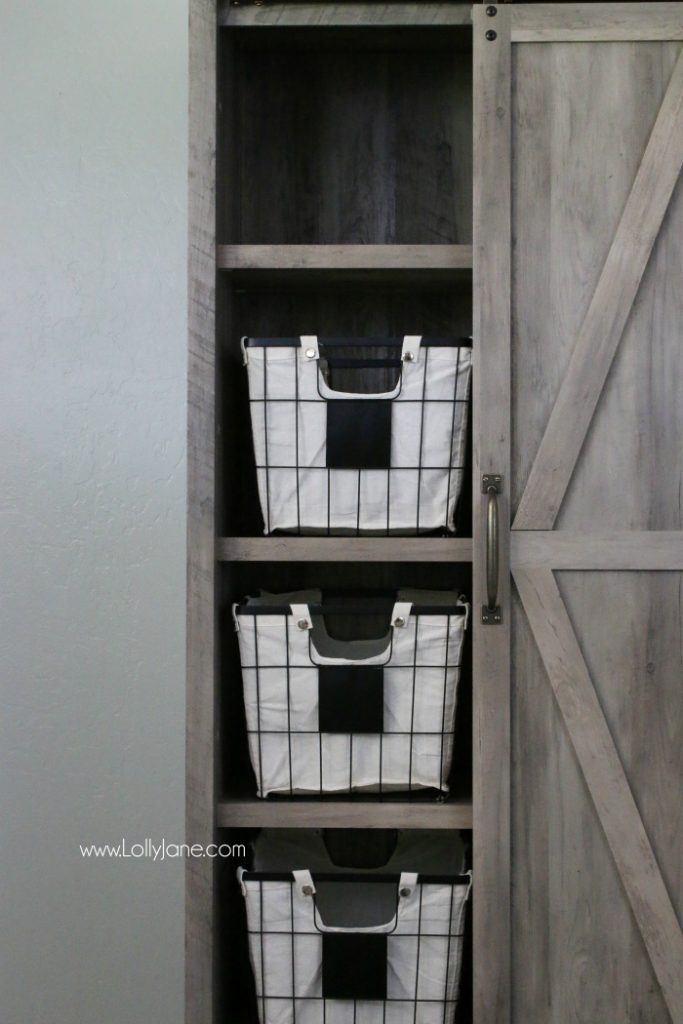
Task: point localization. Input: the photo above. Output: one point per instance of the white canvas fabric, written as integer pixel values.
(281, 655)
(423, 922)
(288, 394)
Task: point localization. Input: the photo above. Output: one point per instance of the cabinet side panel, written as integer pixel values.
(199, 998)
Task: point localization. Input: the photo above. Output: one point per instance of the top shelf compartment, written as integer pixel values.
(336, 144)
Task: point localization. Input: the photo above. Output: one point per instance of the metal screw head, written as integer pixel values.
(405, 893)
(409, 357)
(307, 890)
(491, 35)
(303, 623)
(310, 353)
(399, 621)
(492, 11)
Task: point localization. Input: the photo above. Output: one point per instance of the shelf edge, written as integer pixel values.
(344, 549)
(347, 814)
(343, 257)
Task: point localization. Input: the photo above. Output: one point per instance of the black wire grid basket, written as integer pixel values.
(404, 970)
(329, 716)
(359, 435)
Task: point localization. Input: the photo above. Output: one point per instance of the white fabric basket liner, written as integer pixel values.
(288, 395)
(423, 921)
(421, 672)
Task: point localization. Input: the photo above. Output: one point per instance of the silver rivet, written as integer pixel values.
(409, 357)
(405, 893)
(310, 353)
(302, 623)
(399, 621)
(307, 890)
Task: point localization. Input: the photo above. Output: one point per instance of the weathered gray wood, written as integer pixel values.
(491, 454)
(654, 550)
(343, 814)
(343, 549)
(595, 22)
(200, 794)
(582, 116)
(344, 257)
(636, 665)
(603, 772)
(607, 314)
(566, 212)
(340, 15)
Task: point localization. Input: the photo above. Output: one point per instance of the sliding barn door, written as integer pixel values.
(592, 111)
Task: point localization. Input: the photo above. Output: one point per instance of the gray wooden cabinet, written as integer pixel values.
(510, 171)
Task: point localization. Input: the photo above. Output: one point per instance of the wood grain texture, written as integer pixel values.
(595, 22)
(491, 454)
(588, 959)
(344, 257)
(339, 15)
(566, 211)
(624, 550)
(636, 666)
(582, 117)
(343, 814)
(607, 784)
(200, 789)
(606, 317)
(343, 549)
(354, 146)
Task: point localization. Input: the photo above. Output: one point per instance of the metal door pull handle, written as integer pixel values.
(492, 485)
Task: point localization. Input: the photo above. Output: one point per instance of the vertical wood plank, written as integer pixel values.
(200, 789)
(491, 454)
(607, 784)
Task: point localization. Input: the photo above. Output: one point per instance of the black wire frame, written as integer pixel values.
(385, 788)
(450, 473)
(450, 942)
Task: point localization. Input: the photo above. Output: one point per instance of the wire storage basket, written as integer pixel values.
(328, 716)
(359, 435)
(330, 945)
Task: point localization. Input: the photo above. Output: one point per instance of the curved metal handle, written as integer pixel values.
(492, 548)
(492, 485)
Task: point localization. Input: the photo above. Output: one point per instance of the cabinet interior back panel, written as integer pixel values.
(350, 146)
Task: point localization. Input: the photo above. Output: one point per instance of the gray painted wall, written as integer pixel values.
(92, 425)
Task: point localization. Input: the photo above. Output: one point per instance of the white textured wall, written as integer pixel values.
(92, 424)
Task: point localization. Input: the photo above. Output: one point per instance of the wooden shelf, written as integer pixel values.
(344, 15)
(344, 549)
(254, 262)
(255, 813)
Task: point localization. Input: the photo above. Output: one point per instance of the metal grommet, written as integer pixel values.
(399, 621)
(310, 353)
(491, 35)
(307, 890)
(405, 893)
(409, 357)
(492, 11)
(303, 624)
